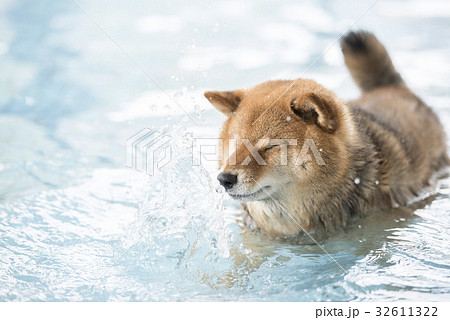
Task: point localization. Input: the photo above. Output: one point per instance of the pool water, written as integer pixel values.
(76, 224)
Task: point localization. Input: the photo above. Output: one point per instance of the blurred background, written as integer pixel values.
(75, 223)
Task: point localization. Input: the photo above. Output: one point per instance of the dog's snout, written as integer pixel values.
(227, 180)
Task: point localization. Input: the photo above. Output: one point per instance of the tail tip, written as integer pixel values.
(368, 61)
(356, 41)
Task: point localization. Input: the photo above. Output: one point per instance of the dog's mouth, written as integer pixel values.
(259, 194)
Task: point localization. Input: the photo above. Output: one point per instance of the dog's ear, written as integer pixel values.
(317, 109)
(225, 101)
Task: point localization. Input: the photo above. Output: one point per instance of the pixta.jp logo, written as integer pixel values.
(148, 150)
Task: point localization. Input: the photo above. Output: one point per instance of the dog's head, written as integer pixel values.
(278, 134)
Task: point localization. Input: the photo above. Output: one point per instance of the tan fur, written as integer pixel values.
(379, 151)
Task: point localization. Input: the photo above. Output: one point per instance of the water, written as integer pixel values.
(76, 224)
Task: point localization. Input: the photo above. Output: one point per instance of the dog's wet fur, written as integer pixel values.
(380, 151)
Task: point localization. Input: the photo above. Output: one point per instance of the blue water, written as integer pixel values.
(77, 225)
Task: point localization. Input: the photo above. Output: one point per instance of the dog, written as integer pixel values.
(377, 152)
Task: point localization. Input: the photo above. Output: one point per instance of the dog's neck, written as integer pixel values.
(295, 211)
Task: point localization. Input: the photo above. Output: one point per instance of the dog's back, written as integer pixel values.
(407, 135)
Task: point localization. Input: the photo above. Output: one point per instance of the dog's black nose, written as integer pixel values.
(227, 180)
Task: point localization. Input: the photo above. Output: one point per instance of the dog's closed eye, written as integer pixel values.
(270, 147)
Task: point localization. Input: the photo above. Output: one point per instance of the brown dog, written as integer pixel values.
(303, 160)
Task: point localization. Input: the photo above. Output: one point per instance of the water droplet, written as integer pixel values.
(357, 180)
(377, 182)
(288, 118)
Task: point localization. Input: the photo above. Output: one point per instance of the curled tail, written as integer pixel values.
(368, 61)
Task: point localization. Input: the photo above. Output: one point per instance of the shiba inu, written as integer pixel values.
(379, 151)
